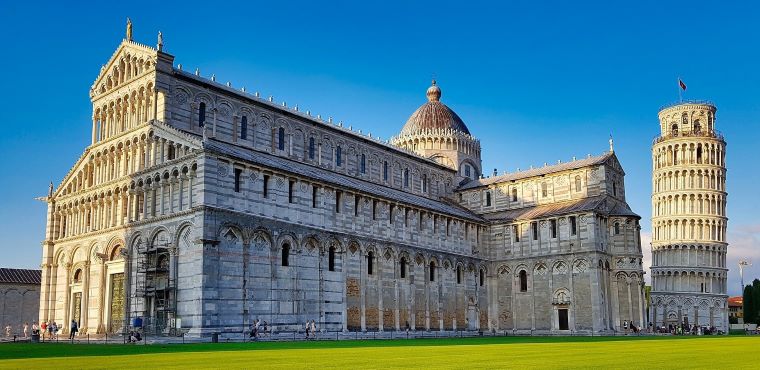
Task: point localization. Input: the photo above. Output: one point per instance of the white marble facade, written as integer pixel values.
(200, 207)
(689, 220)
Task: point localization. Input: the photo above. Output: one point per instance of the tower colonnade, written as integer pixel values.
(689, 219)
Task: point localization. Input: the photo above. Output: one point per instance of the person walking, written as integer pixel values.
(313, 329)
(73, 330)
(26, 330)
(307, 329)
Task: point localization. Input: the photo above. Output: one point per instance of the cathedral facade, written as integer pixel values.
(199, 208)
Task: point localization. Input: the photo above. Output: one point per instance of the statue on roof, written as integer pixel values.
(50, 189)
(129, 29)
(160, 41)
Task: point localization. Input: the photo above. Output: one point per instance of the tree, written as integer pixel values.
(748, 305)
(756, 301)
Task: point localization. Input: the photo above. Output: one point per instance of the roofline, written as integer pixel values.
(297, 115)
(497, 181)
(471, 216)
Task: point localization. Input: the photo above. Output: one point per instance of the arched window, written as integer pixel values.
(201, 114)
(385, 171)
(286, 254)
(544, 190)
(424, 183)
(685, 118)
(614, 188)
(482, 277)
(406, 178)
(363, 165)
(311, 148)
(697, 126)
(338, 156)
(78, 276)
(459, 274)
(488, 199)
(244, 128)
(577, 183)
(281, 138)
(617, 228)
(467, 171)
(523, 281)
(402, 267)
(699, 153)
(674, 129)
(516, 233)
(432, 271)
(331, 259)
(514, 194)
(370, 260)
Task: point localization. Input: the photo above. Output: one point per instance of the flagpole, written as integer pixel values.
(680, 98)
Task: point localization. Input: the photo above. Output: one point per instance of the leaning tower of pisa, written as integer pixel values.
(689, 219)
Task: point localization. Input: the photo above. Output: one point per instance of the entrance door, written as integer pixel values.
(563, 325)
(77, 308)
(116, 312)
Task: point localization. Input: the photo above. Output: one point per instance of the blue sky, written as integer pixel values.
(535, 81)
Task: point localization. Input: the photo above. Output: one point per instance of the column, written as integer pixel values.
(85, 298)
(94, 129)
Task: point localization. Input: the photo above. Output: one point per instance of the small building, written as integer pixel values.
(736, 307)
(19, 298)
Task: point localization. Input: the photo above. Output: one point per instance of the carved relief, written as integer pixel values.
(580, 266)
(223, 170)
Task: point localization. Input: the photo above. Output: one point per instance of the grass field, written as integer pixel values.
(493, 353)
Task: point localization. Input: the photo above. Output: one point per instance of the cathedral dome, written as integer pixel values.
(433, 115)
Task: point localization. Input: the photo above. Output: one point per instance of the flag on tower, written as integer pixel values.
(683, 85)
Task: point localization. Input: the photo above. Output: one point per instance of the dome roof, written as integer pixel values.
(433, 115)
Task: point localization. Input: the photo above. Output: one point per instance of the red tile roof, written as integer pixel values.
(736, 301)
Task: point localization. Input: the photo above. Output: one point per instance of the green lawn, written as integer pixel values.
(502, 352)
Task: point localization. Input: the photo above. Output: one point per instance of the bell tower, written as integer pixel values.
(689, 219)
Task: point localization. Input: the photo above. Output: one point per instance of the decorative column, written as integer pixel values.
(85, 299)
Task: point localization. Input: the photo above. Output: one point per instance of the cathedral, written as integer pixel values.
(199, 208)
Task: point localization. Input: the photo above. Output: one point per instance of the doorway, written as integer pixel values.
(116, 312)
(562, 316)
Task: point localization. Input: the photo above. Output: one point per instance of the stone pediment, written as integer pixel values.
(130, 60)
(614, 163)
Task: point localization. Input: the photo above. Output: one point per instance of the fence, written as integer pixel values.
(291, 336)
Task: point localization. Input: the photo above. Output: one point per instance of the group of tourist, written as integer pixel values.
(51, 328)
(686, 329)
(258, 327)
(311, 329)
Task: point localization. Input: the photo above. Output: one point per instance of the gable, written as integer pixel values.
(613, 162)
(130, 60)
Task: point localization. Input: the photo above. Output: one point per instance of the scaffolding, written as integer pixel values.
(154, 299)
